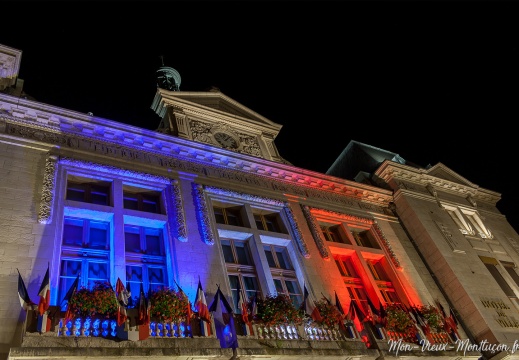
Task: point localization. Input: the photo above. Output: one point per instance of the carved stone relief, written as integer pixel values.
(47, 191)
(297, 232)
(250, 145)
(316, 231)
(201, 132)
(385, 242)
(202, 213)
(179, 219)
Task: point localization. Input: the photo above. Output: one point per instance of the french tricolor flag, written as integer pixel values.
(44, 323)
(310, 307)
(201, 304)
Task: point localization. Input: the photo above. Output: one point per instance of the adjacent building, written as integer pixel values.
(207, 199)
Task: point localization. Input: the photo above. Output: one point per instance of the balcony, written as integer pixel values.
(84, 339)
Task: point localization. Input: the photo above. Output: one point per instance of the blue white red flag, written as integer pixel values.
(25, 300)
(201, 304)
(44, 294)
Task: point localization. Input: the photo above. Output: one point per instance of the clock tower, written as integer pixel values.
(213, 118)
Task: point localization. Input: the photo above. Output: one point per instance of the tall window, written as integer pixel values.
(240, 269)
(511, 269)
(89, 247)
(145, 258)
(249, 287)
(236, 252)
(352, 280)
(85, 252)
(384, 284)
(283, 273)
(492, 266)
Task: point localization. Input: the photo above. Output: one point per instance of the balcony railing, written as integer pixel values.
(107, 328)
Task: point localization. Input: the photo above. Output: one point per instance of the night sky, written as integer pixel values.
(431, 81)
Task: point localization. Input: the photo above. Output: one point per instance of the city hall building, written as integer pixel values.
(206, 199)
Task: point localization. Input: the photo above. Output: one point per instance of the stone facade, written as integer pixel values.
(53, 162)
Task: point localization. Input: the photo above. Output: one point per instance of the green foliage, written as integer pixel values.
(399, 320)
(432, 317)
(169, 305)
(278, 310)
(98, 301)
(329, 313)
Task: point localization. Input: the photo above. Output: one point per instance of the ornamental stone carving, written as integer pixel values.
(201, 131)
(202, 214)
(387, 245)
(250, 145)
(47, 191)
(316, 231)
(297, 232)
(244, 196)
(180, 221)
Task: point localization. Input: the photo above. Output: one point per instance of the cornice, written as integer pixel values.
(39, 122)
(390, 171)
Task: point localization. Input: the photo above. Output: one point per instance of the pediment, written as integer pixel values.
(217, 102)
(443, 172)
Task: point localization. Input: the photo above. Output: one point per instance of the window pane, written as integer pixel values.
(349, 267)
(73, 232)
(134, 273)
(75, 192)
(500, 280)
(99, 195)
(513, 274)
(233, 280)
(259, 222)
(279, 286)
(132, 240)
(153, 242)
(227, 251)
(294, 292)
(97, 271)
(98, 235)
(233, 217)
(271, 222)
(156, 277)
(251, 286)
(131, 201)
(242, 251)
(151, 203)
(292, 287)
(69, 271)
(341, 269)
(218, 215)
(270, 257)
(283, 259)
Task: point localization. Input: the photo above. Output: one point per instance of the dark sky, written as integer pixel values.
(431, 81)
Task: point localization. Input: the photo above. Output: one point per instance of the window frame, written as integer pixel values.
(89, 186)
